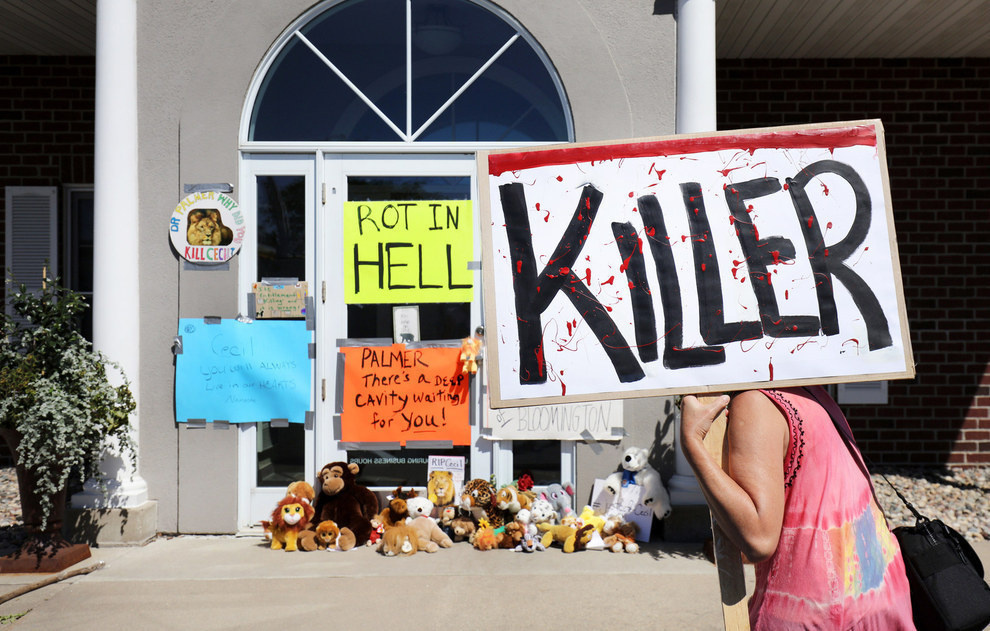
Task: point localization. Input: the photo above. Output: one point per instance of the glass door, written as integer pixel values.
(416, 293)
(278, 197)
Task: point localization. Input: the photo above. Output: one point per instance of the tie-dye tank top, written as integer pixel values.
(837, 566)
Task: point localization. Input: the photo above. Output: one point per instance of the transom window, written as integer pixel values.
(408, 71)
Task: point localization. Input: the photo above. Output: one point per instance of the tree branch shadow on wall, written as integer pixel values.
(662, 451)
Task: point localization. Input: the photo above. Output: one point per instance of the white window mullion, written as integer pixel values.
(409, 70)
(467, 84)
(351, 85)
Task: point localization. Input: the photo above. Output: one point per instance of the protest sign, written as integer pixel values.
(399, 394)
(243, 372)
(593, 420)
(691, 263)
(625, 504)
(408, 252)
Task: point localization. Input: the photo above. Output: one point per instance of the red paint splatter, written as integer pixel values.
(587, 275)
(652, 232)
(828, 225)
(824, 189)
(560, 179)
(786, 186)
(826, 251)
(518, 267)
(771, 369)
(610, 280)
(702, 267)
(564, 271)
(787, 294)
(811, 221)
(631, 193)
(632, 285)
(776, 256)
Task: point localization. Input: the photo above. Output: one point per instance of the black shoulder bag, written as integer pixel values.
(948, 592)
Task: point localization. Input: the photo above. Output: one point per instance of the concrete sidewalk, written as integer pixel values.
(236, 582)
(228, 582)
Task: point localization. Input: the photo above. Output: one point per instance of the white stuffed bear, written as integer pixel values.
(636, 469)
(542, 512)
(419, 507)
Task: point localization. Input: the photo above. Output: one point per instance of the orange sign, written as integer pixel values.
(396, 394)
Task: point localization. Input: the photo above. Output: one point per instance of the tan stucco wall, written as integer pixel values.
(196, 61)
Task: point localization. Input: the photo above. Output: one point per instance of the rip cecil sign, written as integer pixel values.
(691, 264)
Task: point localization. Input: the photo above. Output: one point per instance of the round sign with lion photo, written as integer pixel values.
(207, 228)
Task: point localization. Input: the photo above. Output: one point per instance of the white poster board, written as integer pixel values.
(691, 264)
(626, 504)
(591, 420)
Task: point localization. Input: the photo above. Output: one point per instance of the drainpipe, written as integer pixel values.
(116, 307)
(695, 113)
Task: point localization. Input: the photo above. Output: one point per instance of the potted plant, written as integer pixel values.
(58, 406)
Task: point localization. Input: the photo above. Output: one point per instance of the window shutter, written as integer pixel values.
(31, 234)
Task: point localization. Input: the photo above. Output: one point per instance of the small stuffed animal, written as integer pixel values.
(345, 502)
(484, 539)
(323, 538)
(542, 512)
(530, 543)
(590, 516)
(525, 518)
(464, 528)
(620, 535)
(511, 536)
(446, 519)
(301, 489)
(570, 538)
(440, 488)
(479, 495)
(560, 498)
(290, 517)
(399, 540)
(430, 537)
(397, 510)
(419, 507)
(636, 469)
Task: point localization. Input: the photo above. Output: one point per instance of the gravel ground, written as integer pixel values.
(959, 497)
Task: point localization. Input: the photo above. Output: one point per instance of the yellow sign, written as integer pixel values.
(408, 252)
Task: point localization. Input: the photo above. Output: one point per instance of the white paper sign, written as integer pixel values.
(687, 264)
(594, 420)
(626, 504)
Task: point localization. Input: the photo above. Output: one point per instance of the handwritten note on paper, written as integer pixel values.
(594, 420)
(407, 252)
(397, 394)
(280, 301)
(625, 504)
(243, 372)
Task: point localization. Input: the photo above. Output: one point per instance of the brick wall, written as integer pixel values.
(46, 122)
(46, 128)
(936, 116)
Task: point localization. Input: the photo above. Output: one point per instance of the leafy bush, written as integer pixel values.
(56, 393)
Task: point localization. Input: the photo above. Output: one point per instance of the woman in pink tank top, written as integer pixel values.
(800, 506)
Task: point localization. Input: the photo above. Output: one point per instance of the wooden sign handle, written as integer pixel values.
(728, 559)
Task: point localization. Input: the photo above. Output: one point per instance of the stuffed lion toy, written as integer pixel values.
(289, 518)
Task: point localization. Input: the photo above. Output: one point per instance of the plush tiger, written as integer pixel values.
(480, 494)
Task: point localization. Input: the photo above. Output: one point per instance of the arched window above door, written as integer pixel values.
(409, 71)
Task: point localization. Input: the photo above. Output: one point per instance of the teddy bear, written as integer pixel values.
(464, 528)
(430, 537)
(440, 488)
(511, 536)
(446, 519)
(419, 506)
(399, 540)
(345, 502)
(636, 469)
(323, 538)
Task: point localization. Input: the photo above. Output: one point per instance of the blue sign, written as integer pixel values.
(243, 372)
